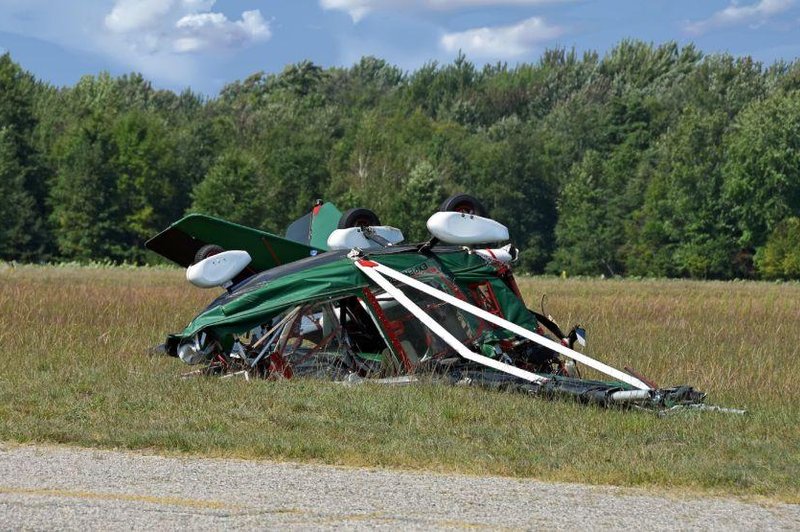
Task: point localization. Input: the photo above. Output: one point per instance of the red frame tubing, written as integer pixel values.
(479, 297)
(388, 328)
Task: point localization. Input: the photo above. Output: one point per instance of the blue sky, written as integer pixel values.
(203, 44)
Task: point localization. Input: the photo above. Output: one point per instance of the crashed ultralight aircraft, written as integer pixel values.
(342, 297)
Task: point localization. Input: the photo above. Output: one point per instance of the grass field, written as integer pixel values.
(75, 371)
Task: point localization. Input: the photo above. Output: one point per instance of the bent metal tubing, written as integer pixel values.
(376, 271)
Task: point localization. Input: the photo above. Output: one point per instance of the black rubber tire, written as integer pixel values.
(358, 217)
(463, 203)
(207, 251)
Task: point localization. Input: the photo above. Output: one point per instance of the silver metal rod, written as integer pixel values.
(628, 396)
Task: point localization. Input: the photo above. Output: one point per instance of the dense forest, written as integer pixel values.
(649, 160)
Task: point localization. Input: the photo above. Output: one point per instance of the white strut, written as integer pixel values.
(376, 268)
(369, 269)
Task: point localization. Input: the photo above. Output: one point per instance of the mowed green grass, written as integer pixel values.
(75, 371)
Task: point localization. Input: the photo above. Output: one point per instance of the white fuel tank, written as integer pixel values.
(218, 269)
(354, 237)
(466, 229)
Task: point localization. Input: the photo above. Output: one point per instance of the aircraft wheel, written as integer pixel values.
(358, 217)
(206, 251)
(463, 203)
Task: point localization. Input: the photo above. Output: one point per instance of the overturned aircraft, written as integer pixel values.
(344, 298)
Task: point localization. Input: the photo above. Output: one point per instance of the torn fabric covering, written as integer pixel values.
(332, 275)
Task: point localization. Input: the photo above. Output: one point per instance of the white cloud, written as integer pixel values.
(133, 15)
(206, 31)
(735, 14)
(358, 9)
(141, 35)
(502, 42)
(182, 26)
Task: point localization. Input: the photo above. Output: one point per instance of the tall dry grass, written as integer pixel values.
(75, 371)
(737, 340)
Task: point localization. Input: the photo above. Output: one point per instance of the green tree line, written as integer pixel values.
(651, 160)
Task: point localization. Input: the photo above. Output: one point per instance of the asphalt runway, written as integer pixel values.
(46, 488)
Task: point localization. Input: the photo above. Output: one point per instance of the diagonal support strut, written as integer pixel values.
(370, 271)
(371, 267)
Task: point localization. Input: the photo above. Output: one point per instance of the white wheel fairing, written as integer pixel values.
(354, 237)
(465, 229)
(218, 269)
